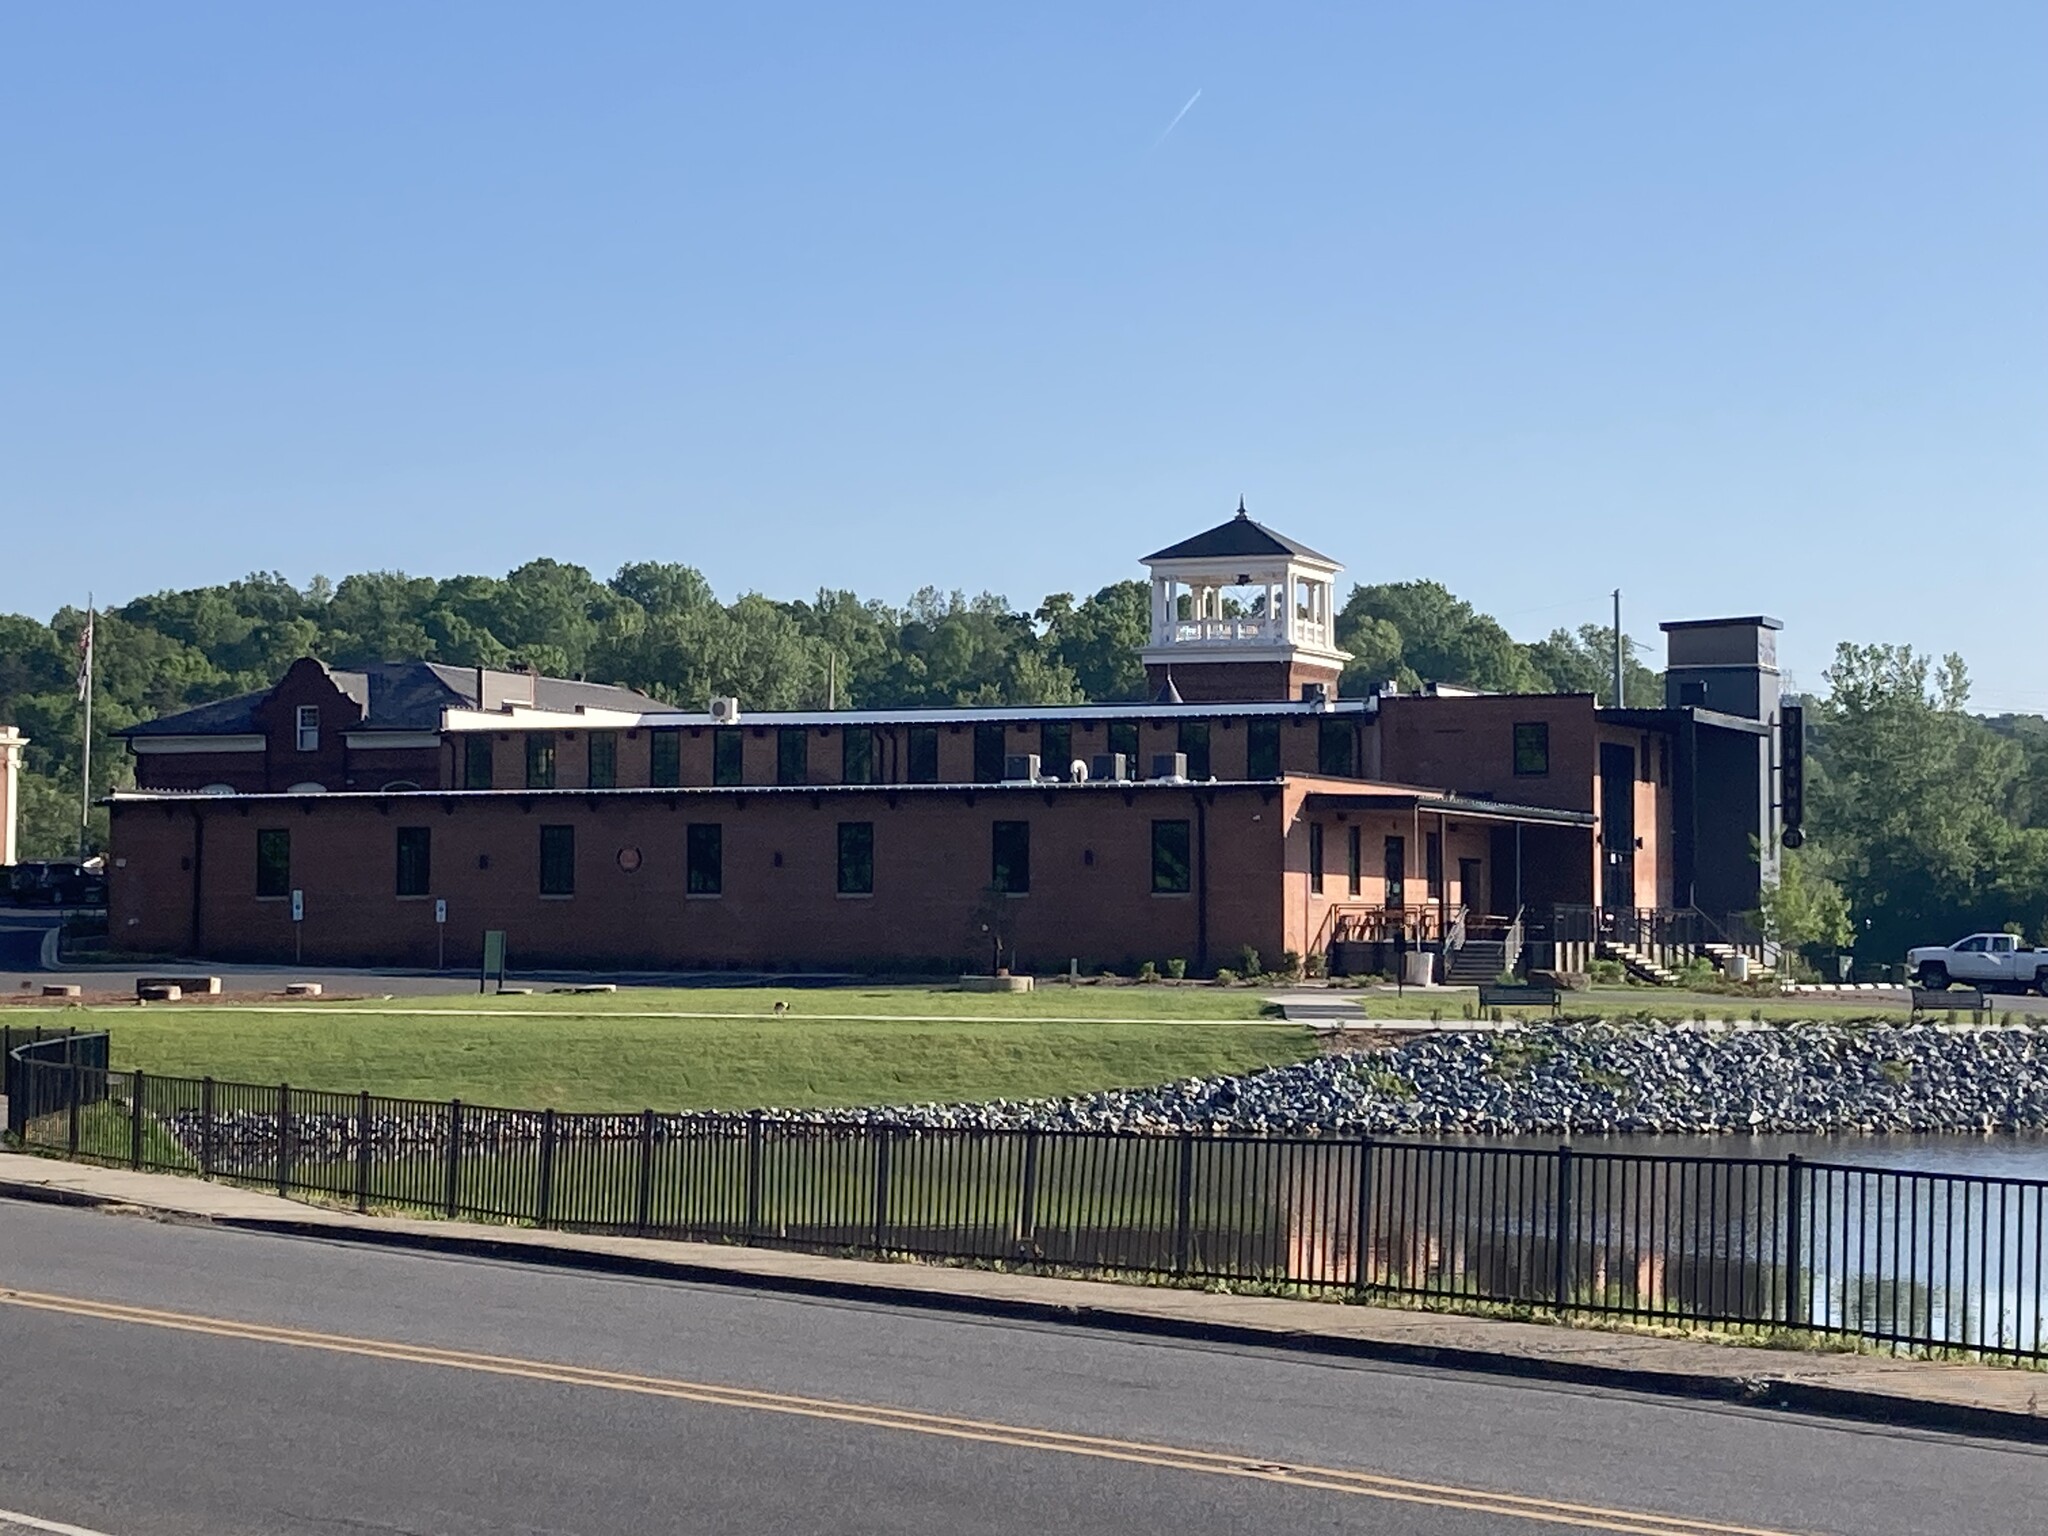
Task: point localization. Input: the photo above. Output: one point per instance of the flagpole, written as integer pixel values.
(85, 754)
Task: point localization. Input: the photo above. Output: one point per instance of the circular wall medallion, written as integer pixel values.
(629, 859)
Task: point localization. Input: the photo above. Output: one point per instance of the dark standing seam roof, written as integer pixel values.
(1240, 536)
(396, 696)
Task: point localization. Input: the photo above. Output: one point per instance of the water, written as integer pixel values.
(2004, 1155)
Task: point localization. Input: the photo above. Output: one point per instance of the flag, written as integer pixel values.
(85, 658)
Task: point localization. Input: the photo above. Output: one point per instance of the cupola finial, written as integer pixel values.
(1240, 505)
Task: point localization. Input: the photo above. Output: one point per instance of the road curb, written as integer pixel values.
(1757, 1389)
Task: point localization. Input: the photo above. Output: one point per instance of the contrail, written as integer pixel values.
(1183, 112)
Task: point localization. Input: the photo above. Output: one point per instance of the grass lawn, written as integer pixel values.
(583, 1053)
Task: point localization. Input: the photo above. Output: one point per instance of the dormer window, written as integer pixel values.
(309, 728)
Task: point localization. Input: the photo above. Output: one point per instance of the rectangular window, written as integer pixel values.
(415, 864)
(792, 755)
(1056, 749)
(1194, 740)
(274, 862)
(1433, 865)
(924, 754)
(1123, 737)
(728, 756)
(704, 859)
(1262, 749)
(1643, 762)
(1532, 750)
(1396, 871)
(856, 755)
(604, 759)
(665, 758)
(1315, 858)
(1010, 857)
(856, 858)
(540, 760)
(1333, 749)
(1354, 861)
(1664, 764)
(558, 861)
(476, 762)
(989, 751)
(309, 727)
(1172, 861)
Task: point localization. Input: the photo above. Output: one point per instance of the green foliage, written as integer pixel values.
(1248, 963)
(1177, 970)
(1806, 909)
(1919, 810)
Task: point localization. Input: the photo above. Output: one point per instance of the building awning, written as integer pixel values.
(1460, 806)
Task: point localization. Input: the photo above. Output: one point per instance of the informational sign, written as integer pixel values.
(441, 909)
(494, 958)
(298, 906)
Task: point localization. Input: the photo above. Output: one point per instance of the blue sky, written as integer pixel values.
(1734, 306)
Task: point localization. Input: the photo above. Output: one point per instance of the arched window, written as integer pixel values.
(308, 788)
(399, 787)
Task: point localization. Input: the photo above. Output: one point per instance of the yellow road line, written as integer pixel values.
(1178, 1458)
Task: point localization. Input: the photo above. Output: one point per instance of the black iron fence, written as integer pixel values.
(1906, 1259)
(61, 1046)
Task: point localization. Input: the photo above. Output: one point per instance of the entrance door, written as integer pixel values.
(1396, 869)
(1617, 827)
(1470, 879)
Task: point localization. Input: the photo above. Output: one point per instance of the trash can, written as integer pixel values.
(1738, 967)
(1418, 968)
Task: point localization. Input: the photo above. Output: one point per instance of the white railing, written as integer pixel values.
(1225, 631)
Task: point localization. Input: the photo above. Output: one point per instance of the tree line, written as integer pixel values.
(1924, 817)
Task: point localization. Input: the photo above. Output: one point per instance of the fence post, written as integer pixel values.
(1183, 1203)
(284, 1123)
(1794, 1241)
(753, 1175)
(71, 1072)
(1027, 1193)
(643, 1205)
(363, 1152)
(1561, 1286)
(135, 1082)
(545, 1196)
(452, 1195)
(206, 1128)
(883, 1147)
(1361, 1263)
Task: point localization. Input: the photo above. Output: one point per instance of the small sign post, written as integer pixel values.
(441, 933)
(298, 928)
(494, 959)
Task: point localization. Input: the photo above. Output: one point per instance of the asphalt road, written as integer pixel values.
(291, 1386)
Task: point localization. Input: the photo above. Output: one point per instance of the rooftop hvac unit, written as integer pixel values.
(1169, 765)
(725, 711)
(1077, 772)
(1109, 765)
(1020, 768)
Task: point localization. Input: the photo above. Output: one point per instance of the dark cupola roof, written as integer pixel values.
(1240, 536)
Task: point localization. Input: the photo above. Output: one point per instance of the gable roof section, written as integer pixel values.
(1241, 535)
(396, 696)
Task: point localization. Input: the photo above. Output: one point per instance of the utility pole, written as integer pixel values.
(1620, 656)
(85, 744)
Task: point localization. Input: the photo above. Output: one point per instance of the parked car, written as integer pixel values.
(1994, 962)
(55, 883)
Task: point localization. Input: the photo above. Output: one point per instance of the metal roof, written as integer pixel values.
(1240, 536)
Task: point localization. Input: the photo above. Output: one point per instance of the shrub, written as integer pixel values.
(1225, 977)
(1290, 964)
(1317, 964)
(1607, 972)
(1177, 969)
(1248, 961)
(1148, 972)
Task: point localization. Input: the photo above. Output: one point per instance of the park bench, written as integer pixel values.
(1947, 1000)
(1493, 994)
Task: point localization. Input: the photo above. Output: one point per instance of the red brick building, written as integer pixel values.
(1247, 806)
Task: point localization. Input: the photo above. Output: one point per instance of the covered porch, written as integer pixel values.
(1435, 873)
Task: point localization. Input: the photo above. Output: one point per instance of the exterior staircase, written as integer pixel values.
(1638, 963)
(1720, 954)
(1476, 961)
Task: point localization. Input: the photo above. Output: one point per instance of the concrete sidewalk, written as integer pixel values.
(1972, 1399)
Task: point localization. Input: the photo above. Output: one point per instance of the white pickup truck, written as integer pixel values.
(1993, 962)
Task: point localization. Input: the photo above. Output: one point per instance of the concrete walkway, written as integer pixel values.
(1973, 1399)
